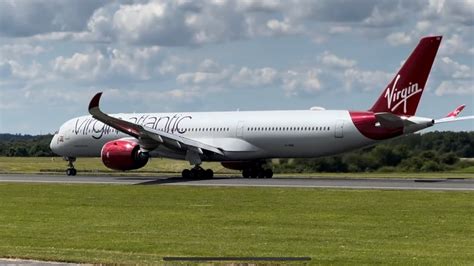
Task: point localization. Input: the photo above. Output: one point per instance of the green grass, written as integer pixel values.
(94, 166)
(142, 224)
(469, 170)
(56, 165)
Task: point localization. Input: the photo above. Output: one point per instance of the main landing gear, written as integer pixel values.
(257, 171)
(71, 171)
(197, 172)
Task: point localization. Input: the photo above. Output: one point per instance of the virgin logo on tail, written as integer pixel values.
(400, 96)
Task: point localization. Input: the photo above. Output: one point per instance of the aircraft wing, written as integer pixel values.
(148, 134)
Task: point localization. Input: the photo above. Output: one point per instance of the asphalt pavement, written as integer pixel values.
(288, 181)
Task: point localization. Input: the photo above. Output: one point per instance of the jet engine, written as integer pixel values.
(123, 154)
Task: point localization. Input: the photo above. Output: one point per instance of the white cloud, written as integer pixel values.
(422, 26)
(331, 60)
(20, 50)
(189, 23)
(259, 5)
(81, 65)
(459, 11)
(385, 16)
(113, 63)
(203, 78)
(17, 71)
(339, 29)
(172, 64)
(295, 82)
(151, 97)
(213, 77)
(169, 23)
(455, 87)
(452, 19)
(247, 77)
(365, 79)
(208, 65)
(398, 38)
(27, 18)
(282, 27)
(151, 23)
(455, 44)
(454, 69)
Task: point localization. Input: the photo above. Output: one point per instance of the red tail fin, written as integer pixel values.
(403, 94)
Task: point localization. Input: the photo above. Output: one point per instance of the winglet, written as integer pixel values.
(117, 123)
(456, 111)
(95, 101)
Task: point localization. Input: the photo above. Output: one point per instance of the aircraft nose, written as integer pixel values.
(54, 143)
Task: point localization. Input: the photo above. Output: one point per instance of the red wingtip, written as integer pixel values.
(95, 101)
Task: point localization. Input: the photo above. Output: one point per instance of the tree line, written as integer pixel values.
(18, 145)
(428, 152)
(432, 151)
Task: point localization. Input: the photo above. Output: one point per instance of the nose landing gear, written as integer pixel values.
(71, 171)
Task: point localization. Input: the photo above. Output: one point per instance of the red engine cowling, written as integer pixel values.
(122, 155)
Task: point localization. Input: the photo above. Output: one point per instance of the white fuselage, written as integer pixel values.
(244, 135)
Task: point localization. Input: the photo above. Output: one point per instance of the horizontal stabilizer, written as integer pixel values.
(453, 119)
(389, 120)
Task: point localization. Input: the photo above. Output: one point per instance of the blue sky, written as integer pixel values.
(160, 56)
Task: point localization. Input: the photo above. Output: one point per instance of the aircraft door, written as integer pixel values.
(339, 129)
(240, 129)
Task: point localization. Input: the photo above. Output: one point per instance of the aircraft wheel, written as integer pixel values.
(186, 174)
(209, 174)
(71, 172)
(253, 174)
(268, 173)
(246, 173)
(195, 173)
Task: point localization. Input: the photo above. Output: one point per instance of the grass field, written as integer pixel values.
(157, 166)
(142, 224)
(94, 166)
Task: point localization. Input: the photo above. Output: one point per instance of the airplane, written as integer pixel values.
(245, 140)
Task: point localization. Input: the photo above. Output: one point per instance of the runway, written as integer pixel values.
(292, 182)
